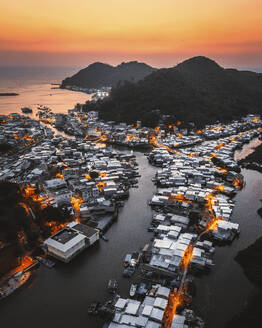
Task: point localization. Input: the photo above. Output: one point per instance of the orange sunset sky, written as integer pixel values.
(159, 32)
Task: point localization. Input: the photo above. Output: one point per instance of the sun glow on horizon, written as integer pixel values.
(160, 29)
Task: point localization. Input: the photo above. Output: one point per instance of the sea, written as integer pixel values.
(34, 86)
(60, 297)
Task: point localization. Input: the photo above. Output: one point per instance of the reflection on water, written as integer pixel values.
(58, 100)
(247, 149)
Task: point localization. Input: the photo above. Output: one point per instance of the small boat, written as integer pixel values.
(105, 238)
(142, 289)
(135, 258)
(48, 263)
(151, 229)
(132, 291)
(128, 272)
(127, 260)
(26, 110)
(93, 308)
(14, 283)
(112, 286)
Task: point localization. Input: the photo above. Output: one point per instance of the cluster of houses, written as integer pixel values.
(89, 179)
(192, 209)
(223, 130)
(193, 190)
(17, 129)
(194, 199)
(96, 93)
(68, 167)
(172, 137)
(150, 312)
(169, 247)
(18, 134)
(196, 180)
(87, 125)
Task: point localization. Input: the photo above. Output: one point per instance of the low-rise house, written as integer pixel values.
(69, 242)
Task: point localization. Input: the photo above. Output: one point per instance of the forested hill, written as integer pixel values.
(197, 90)
(98, 75)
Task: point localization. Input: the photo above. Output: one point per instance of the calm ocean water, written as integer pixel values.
(33, 84)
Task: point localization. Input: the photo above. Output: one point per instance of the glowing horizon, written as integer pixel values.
(160, 32)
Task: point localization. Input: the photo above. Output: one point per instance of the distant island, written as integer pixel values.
(196, 90)
(8, 94)
(99, 75)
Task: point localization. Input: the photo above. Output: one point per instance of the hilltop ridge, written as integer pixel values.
(98, 74)
(196, 90)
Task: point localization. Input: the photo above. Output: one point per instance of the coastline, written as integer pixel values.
(32, 95)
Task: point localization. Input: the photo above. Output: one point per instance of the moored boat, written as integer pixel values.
(26, 110)
(127, 260)
(93, 308)
(112, 286)
(104, 238)
(132, 291)
(129, 271)
(15, 282)
(48, 263)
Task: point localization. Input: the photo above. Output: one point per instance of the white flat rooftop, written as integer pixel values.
(66, 246)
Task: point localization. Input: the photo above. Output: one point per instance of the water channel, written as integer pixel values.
(60, 297)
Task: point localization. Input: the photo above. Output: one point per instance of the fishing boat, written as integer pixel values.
(15, 282)
(127, 260)
(93, 308)
(48, 263)
(142, 289)
(112, 286)
(132, 291)
(135, 258)
(129, 271)
(26, 110)
(104, 238)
